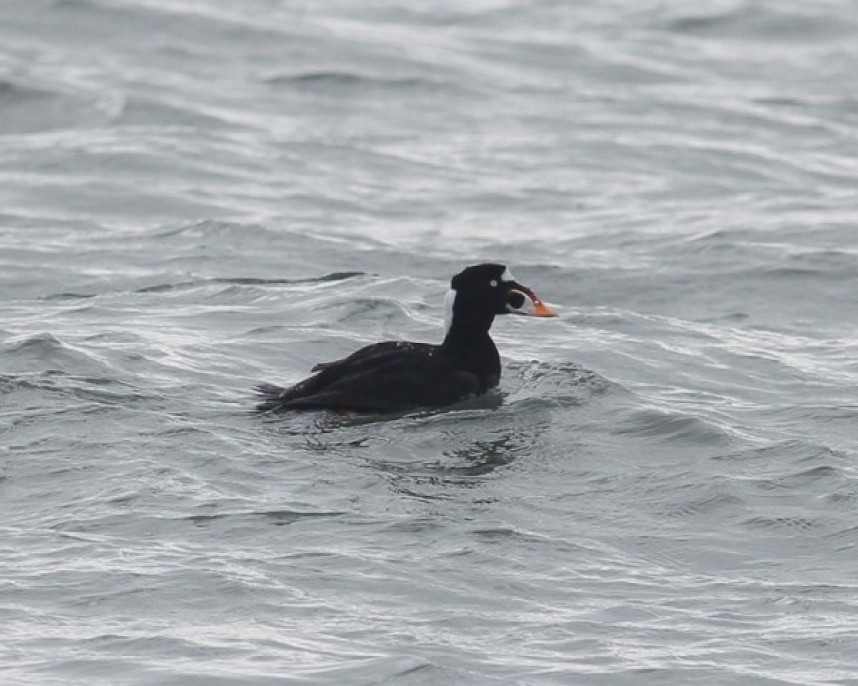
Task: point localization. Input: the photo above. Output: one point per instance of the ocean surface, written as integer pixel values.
(200, 195)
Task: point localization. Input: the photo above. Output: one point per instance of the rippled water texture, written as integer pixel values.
(199, 196)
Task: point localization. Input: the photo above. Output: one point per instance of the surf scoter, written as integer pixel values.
(398, 375)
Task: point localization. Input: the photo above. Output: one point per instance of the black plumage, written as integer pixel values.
(398, 375)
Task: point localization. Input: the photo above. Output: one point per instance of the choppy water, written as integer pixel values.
(197, 196)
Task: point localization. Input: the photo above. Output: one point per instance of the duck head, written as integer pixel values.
(485, 290)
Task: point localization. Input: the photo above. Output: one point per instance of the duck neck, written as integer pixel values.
(471, 348)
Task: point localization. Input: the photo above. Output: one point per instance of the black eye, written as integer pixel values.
(493, 283)
(515, 299)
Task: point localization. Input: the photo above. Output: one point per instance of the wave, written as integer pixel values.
(341, 80)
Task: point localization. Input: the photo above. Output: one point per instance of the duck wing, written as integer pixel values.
(384, 377)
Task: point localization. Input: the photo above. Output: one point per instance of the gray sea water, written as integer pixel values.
(196, 196)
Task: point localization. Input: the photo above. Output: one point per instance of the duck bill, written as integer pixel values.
(540, 309)
(532, 305)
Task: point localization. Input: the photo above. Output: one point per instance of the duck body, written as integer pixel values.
(384, 377)
(398, 375)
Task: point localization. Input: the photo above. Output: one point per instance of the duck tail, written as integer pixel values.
(271, 397)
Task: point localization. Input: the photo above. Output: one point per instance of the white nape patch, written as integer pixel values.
(507, 275)
(449, 299)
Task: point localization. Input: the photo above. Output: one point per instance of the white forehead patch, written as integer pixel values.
(507, 275)
(449, 299)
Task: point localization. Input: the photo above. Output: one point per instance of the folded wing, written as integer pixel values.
(383, 377)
